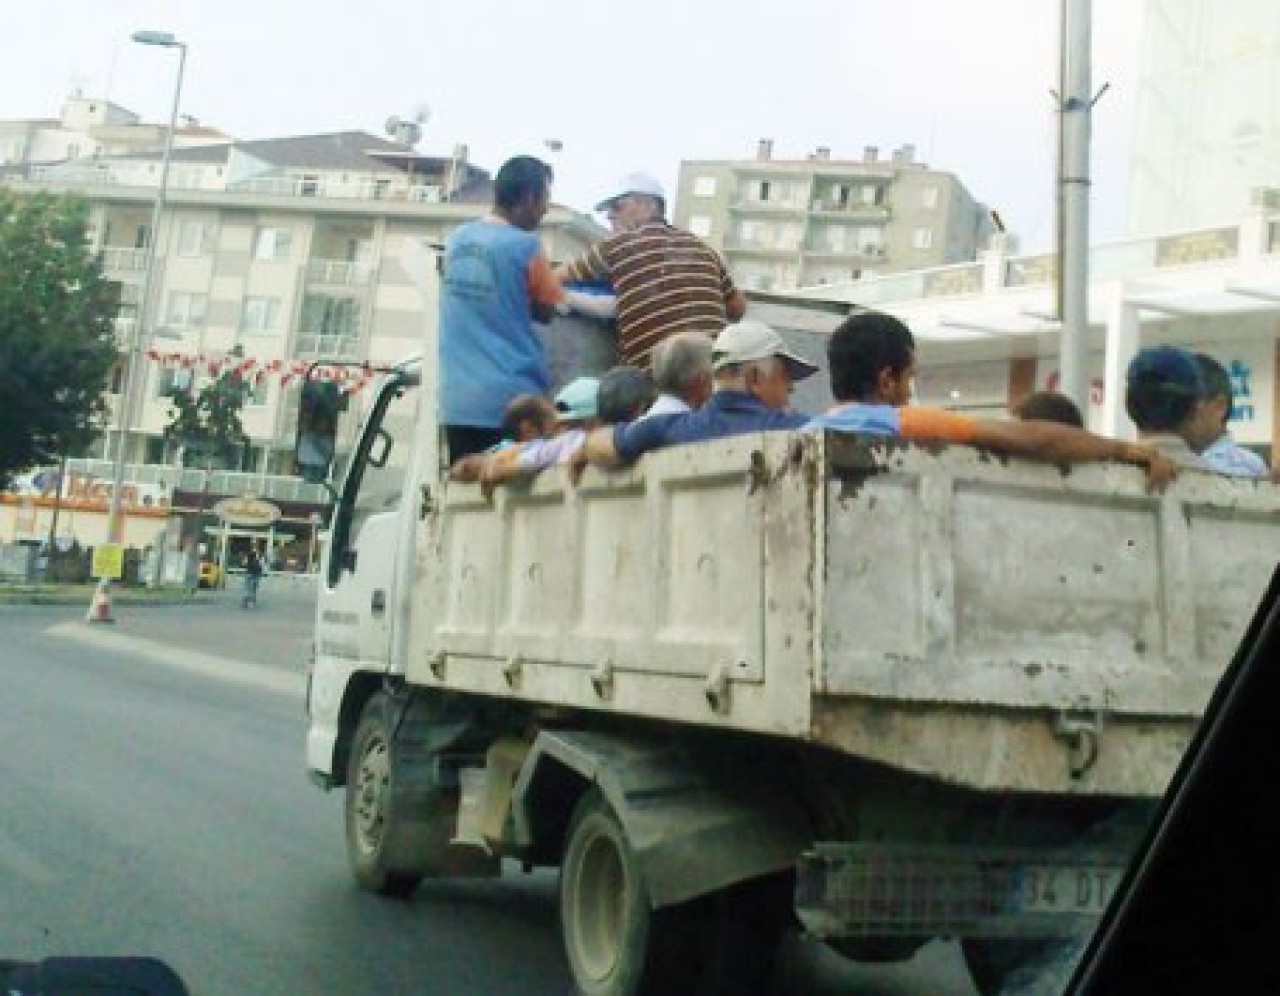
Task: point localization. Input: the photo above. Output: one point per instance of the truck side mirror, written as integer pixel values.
(318, 409)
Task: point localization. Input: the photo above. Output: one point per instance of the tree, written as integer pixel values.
(207, 424)
(57, 331)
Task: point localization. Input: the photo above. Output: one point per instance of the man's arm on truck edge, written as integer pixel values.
(1042, 440)
(615, 446)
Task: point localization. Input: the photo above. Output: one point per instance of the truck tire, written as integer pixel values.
(368, 820)
(611, 933)
(723, 944)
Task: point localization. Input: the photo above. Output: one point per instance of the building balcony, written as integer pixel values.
(852, 211)
(748, 205)
(327, 346)
(339, 273)
(768, 247)
(869, 253)
(118, 261)
(363, 190)
(273, 487)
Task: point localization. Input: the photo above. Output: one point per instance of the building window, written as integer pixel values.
(700, 225)
(194, 238)
(835, 237)
(329, 327)
(763, 191)
(922, 238)
(704, 186)
(185, 309)
(259, 391)
(273, 244)
(871, 194)
(929, 197)
(260, 314)
(170, 379)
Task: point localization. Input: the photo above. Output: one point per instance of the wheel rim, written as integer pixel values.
(599, 907)
(372, 780)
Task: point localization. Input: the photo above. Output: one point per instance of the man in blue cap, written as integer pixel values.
(1165, 397)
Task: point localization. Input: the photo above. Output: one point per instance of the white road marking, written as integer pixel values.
(226, 669)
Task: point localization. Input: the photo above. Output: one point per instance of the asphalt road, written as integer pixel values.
(155, 803)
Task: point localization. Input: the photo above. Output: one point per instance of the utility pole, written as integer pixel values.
(1075, 110)
(146, 308)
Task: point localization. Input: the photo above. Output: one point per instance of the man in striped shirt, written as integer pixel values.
(666, 280)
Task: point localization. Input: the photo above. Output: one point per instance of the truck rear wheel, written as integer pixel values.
(368, 816)
(605, 917)
(723, 944)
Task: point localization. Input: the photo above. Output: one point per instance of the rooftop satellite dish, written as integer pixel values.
(404, 132)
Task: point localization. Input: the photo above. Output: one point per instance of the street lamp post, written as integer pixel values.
(115, 526)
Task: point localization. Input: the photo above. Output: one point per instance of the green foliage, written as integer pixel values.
(57, 331)
(207, 424)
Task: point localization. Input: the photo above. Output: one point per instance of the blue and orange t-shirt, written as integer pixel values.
(912, 422)
(489, 349)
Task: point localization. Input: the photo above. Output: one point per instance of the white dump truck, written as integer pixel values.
(878, 692)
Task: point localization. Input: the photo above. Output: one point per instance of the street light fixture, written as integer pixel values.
(115, 526)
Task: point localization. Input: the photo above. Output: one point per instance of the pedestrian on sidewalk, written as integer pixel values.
(252, 577)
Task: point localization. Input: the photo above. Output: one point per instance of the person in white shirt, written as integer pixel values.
(1220, 451)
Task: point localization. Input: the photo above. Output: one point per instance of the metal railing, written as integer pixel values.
(339, 272)
(116, 260)
(279, 487)
(362, 190)
(327, 347)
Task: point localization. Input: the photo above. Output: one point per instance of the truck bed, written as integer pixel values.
(992, 623)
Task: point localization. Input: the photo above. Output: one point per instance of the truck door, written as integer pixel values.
(356, 595)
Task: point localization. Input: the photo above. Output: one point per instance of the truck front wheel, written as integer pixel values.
(368, 816)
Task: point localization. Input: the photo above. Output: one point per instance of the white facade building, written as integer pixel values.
(1207, 134)
(987, 336)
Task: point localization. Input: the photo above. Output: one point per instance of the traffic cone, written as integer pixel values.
(100, 607)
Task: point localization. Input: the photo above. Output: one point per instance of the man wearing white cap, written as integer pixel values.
(754, 372)
(666, 279)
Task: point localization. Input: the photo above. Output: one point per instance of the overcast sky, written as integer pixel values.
(622, 86)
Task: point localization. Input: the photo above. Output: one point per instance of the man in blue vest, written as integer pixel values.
(496, 283)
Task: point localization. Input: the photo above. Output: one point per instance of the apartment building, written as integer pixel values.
(271, 255)
(784, 223)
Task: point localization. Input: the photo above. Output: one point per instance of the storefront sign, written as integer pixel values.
(251, 512)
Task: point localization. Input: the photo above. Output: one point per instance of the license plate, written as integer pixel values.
(1066, 888)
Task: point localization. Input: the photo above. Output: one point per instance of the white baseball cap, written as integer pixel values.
(635, 183)
(743, 342)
